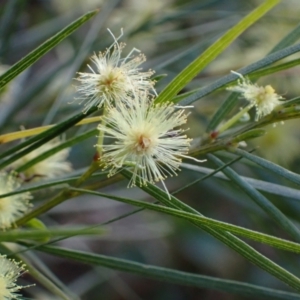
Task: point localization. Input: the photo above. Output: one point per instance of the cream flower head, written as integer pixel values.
(50, 167)
(263, 98)
(143, 136)
(10, 270)
(11, 207)
(114, 78)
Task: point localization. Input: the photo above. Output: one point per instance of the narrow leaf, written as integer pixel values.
(39, 82)
(170, 275)
(37, 234)
(260, 200)
(62, 181)
(289, 175)
(228, 104)
(225, 237)
(212, 52)
(222, 111)
(212, 173)
(274, 69)
(69, 143)
(271, 188)
(251, 234)
(46, 282)
(42, 138)
(225, 80)
(33, 56)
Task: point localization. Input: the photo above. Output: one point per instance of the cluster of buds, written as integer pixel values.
(264, 98)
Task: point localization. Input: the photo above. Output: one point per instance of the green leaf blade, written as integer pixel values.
(39, 234)
(228, 104)
(225, 237)
(260, 200)
(270, 166)
(33, 56)
(223, 110)
(170, 275)
(212, 52)
(254, 235)
(225, 80)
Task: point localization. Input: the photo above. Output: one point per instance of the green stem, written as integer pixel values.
(234, 119)
(101, 134)
(87, 174)
(61, 197)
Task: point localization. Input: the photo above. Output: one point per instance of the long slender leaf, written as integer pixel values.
(222, 111)
(228, 104)
(46, 282)
(14, 235)
(38, 33)
(120, 217)
(274, 69)
(40, 265)
(290, 102)
(271, 188)
(40, 81)
(212, 52)
(254, 235)
(42, 138)
(170, 275)
(84, 50)
(62, 182)
(270, 166)
(225, 237)
(33, 56)
(266, 61)
(255, 75)
(69, 143)
(212, 173)
(260, 200)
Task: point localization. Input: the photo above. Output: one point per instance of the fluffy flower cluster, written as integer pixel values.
(10, 270)
(263, 98)
(12, 207)
(50, 167)
(114, 78)
(143, 135)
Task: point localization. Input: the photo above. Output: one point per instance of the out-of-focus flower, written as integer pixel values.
(263, 98)
(10, 270)
(280, 144)
(11, 207)
(114, 79)
(144, 137)
(50, 167)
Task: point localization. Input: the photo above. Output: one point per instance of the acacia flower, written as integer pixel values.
(263, 98)
(11, 207)
(113, 78)
(10, 270)
(144, 137)
(50, 167)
